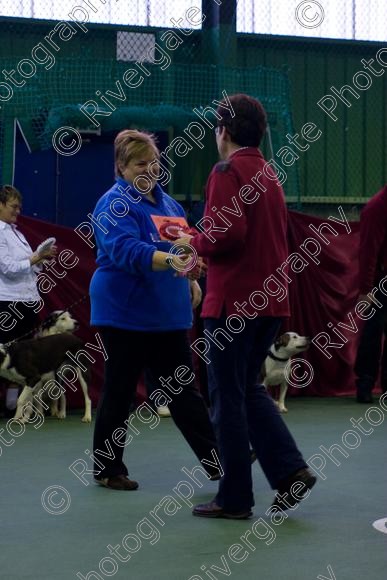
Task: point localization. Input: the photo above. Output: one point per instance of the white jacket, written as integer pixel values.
(18, 279)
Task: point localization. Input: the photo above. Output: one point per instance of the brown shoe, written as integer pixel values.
(288, 498)
(119, 482)
(212, 510)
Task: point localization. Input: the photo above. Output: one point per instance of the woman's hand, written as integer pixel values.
(47, 254)
(199, 270)
(183, 264)
(185, 242)
(196, 294)
(165, 261)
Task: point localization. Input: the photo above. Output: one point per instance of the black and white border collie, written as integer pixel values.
(36, 362)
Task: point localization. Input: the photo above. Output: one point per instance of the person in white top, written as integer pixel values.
(19, 267)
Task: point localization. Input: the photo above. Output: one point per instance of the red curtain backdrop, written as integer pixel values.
(325, 293)
(322, 293)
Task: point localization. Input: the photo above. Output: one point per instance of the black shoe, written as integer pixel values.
(212, 510)
(364, 398)
(288, 499)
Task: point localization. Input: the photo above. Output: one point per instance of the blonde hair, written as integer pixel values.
(130, 144)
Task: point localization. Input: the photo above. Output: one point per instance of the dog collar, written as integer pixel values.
(271, 355)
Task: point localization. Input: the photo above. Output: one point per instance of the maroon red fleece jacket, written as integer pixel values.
(244, 238)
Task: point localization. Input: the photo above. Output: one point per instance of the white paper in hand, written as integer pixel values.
(45, 245)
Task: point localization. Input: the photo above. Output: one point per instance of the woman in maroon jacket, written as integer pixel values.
(244, 240)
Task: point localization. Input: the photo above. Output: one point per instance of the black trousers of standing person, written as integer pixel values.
(129, 353)
(369, 359)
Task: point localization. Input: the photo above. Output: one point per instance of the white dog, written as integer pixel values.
(274, 369)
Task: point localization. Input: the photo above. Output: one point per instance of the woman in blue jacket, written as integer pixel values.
(143, 310)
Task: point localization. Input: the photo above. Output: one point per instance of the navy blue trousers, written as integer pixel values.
(369, 357)
(242, 412)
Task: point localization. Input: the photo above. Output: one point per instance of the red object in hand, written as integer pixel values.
(173, 230)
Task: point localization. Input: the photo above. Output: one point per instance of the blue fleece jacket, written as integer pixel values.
(124, 291)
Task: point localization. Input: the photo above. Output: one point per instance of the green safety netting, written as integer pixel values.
(164, 101)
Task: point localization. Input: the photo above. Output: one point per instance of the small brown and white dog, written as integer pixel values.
(37, 360)
(274, 369)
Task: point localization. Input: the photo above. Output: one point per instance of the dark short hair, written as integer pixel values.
(248, 125)
(8, 192)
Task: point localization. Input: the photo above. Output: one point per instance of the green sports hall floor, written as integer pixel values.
(330, 535)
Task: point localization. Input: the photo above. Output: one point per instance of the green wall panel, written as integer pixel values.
(350, 159)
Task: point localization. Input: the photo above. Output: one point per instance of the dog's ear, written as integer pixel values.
(282, 340)
(278, 343)
(47, 322)
(57, 314)
(285, 339)
(51, 319)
